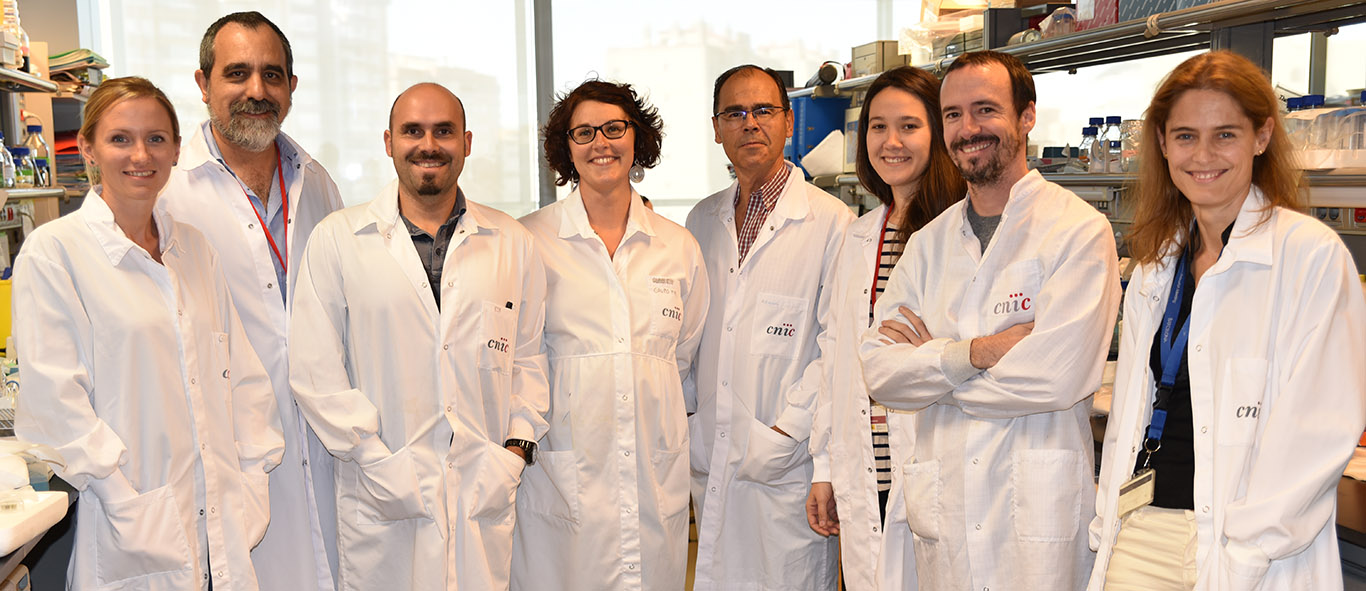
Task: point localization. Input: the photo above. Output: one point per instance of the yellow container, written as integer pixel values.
(6, 324)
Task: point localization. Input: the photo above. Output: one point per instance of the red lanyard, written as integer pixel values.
(877, 260)
(284, 206)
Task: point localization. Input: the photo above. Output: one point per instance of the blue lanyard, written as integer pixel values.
(1171, 349)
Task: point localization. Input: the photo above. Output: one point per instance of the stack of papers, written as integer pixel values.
(76, 59)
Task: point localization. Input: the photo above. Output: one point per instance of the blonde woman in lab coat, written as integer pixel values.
(137, 370)
(854, 492)
(1264, 402)
(605, 507)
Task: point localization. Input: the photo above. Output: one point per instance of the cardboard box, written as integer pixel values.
(876, 57)
(1142, 9)
(1093, 14)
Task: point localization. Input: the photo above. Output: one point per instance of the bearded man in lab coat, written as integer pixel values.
(256, 195)
(769, 242)
(994, 328)
(417, 360)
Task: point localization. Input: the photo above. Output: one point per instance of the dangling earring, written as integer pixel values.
(637, 173)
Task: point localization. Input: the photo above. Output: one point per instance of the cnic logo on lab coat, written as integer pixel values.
(786, 330)
(499, 344)
(1015, 302)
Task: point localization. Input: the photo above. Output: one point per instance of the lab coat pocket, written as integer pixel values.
(779, 323)
(1245, 389)
(921, 489)
(1013, 293)
(255, 500)
(1045, 492)
(495, 486)
(666, 307)
(671, 473)
(697, 460)
(497, 333)
(140, 536)
(388, 490)
(551, 486)
(771, 458)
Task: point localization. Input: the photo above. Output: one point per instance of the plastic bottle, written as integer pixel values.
(6, 165)
(1088, 140)
(39, 150)
(24, 172)
(1111, 131)
(1113, 155)
(43, 176)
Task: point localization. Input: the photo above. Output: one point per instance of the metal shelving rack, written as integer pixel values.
(1246, 26)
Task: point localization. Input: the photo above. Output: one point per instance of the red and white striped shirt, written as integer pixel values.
(761, 203)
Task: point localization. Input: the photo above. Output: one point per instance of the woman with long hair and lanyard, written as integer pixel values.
(902, 160)
(1240, 393)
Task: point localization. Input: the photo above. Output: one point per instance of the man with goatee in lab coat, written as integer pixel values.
(994, 328)
(256, 195)
(769, 242)
(417, 360)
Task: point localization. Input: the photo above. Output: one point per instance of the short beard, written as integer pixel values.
(428, 188)
(252, 135)
(991, 171)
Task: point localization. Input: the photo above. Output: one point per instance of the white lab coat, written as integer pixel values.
(417, 402)
(1278, 324)
(998, 490)
(841, 436)
(759, 366)
(299, 550)
(606, 505)
(141, 376)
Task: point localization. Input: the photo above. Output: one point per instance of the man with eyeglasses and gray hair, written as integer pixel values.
(256, 195)
(769, 241)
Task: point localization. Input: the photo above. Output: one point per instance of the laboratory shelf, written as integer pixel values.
(16, 81)
(38, 193)
(1210, 26)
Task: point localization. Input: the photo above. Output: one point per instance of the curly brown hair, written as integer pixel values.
(644, 118)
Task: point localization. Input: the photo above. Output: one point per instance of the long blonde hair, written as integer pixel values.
(1163, 215)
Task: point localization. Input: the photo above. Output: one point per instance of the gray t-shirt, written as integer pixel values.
(984, 227)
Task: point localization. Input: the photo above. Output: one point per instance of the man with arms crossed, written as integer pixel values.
(417, 360)
(769, 242)
(995, 327)
(256, 195)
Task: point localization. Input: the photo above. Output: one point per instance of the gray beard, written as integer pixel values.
(250, 135)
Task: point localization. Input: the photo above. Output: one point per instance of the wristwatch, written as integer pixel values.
(528, 448)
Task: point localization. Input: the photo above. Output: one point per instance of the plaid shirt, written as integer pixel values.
(761, 203)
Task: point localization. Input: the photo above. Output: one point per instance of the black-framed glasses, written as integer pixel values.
(611, 130)
(737, 116)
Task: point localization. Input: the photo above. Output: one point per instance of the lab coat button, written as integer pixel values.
(632, 567)
(974, 461)
(725, 383)
(979, 527)
(445, 347)
(222, 338)
(865, 292)
(227, 375)
(624, 397)
(203, 446)
(424, 285)
(450, 284)
(251, 226)
(723, 435)
(870, 470)
(730, 328)
(450, 465)
(732, 269)
(449, 408)
(270, 286)
(192, 381)
(865, 412)
(213, 510)
(713, 489)
(201, 514)
(628, 454)
(305, 461)
(1198, 348)
(1204, 429)
(1205, 509)
(874, 529)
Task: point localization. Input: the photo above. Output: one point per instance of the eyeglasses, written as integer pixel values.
(611, 130)
(737, 116)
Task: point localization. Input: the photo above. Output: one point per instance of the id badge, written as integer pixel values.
(1137, 492)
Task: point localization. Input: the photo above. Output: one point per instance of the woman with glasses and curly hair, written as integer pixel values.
(1240, 394)
(606, 505)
